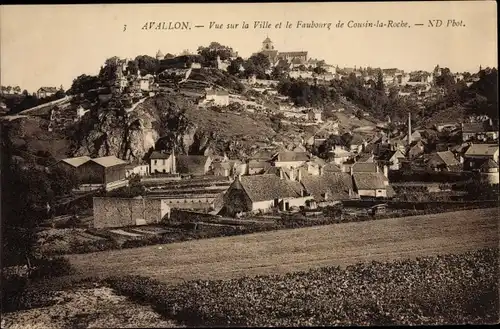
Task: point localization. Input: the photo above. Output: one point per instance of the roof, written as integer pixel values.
(331, 167)
(48, 89)
(293, 53)
(159, 155)
(267, 40)
(191, 164)
(263, 155)
(217, 92)
(476, 127)
(292, 156)
(269, 187)
(357, 139)
(76, 161)
(159, 54)
(489, 164)
(108, 161)
(364, 167)
(448, 158)
(336, 184)
(387, 155)
(369, 180)
(482, 150)
(258, 164)
(318, 161)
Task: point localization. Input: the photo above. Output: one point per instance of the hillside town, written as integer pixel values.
(201, 144)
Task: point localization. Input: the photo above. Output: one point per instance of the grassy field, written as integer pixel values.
(299, 249)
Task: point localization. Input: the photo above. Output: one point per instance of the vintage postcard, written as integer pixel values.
(249, 164)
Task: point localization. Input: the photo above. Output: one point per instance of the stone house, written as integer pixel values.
(477, 154)
(374, 185)
(290, 159)
(160, 162)
(443, 161)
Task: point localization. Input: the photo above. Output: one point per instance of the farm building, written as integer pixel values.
(330, 186)
(72, 165)
(107, 172)
(122, 212)
(263, 192)
(477, 154)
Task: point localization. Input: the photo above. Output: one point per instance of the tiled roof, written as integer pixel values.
(191, 164)
(448, 158)
(76, 161)
(259, 164)
(337, 185)
(108, 161)
(293, 53)
(364, 167)
(369, 180)
(292, 156)
(481, 150)
(269, 187)
(331, 167)
(159, 155)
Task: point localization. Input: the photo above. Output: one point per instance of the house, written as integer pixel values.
(339, 155)
(256, 167)
(489, 172)
(290, 159)
(369, 184)
(315, 115)
(146, 82)
(330, 186)
(416, 150)
(124, 212)
(443, 161)
(137, 169)
(44, 92)
(331, 167)
(196, 165)
(477, 154)
(392, 159)
(72, 164)
(226, 168)
(262, 193)
(364, 167)
(479, 131)
(357, 143)
(160, 162)
(107, 172)
(217, 97)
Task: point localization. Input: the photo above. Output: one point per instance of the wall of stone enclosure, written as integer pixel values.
(121, 212)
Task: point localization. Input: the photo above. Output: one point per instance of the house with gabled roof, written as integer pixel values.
(262, 193)
(443, 161)
(329, 186)
(162, 162)
(372, 185)
(477, 154)
(479, 131)
(290, 159)
(391, 158)
(44, 92)
(71, 165)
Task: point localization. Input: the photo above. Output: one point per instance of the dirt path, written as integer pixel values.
(300, 249)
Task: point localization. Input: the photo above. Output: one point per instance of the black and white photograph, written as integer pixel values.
(295, 164)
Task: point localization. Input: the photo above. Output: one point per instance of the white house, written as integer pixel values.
(139, 170)
(162, 163)
(146, 82)
(290, 159)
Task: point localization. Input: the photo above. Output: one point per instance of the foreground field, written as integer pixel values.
(299, 249)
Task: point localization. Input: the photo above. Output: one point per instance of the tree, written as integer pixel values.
(108, 72)
(147, 64)
(319, 70)
(380, 81)
(213, 50)
(257, 64)
(234, 67)
(83, 84)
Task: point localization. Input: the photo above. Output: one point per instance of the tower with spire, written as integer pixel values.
(159, 55)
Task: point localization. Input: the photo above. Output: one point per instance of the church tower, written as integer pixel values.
(267, 44)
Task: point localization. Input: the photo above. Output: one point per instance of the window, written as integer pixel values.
(156, 161)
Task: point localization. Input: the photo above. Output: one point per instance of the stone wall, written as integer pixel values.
(121, 212)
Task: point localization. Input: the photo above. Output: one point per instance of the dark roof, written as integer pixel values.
(369, 180)
(269, 187)
(159, 155)
(337, 185)
(364, 167)
(191, 164)
(258, 164)
(292, 156)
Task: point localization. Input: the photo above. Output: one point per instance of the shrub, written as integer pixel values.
(51, 267)
(432, 290)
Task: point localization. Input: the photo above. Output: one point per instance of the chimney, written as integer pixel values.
(409, 128)
(174, 164)
(386, 171)
(292, 174)
(299, 176)
(350, 169)
(281, 172)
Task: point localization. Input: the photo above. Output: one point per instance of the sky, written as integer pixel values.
(50, 45)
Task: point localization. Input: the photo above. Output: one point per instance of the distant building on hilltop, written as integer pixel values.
(44, 92)
(274, 55)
